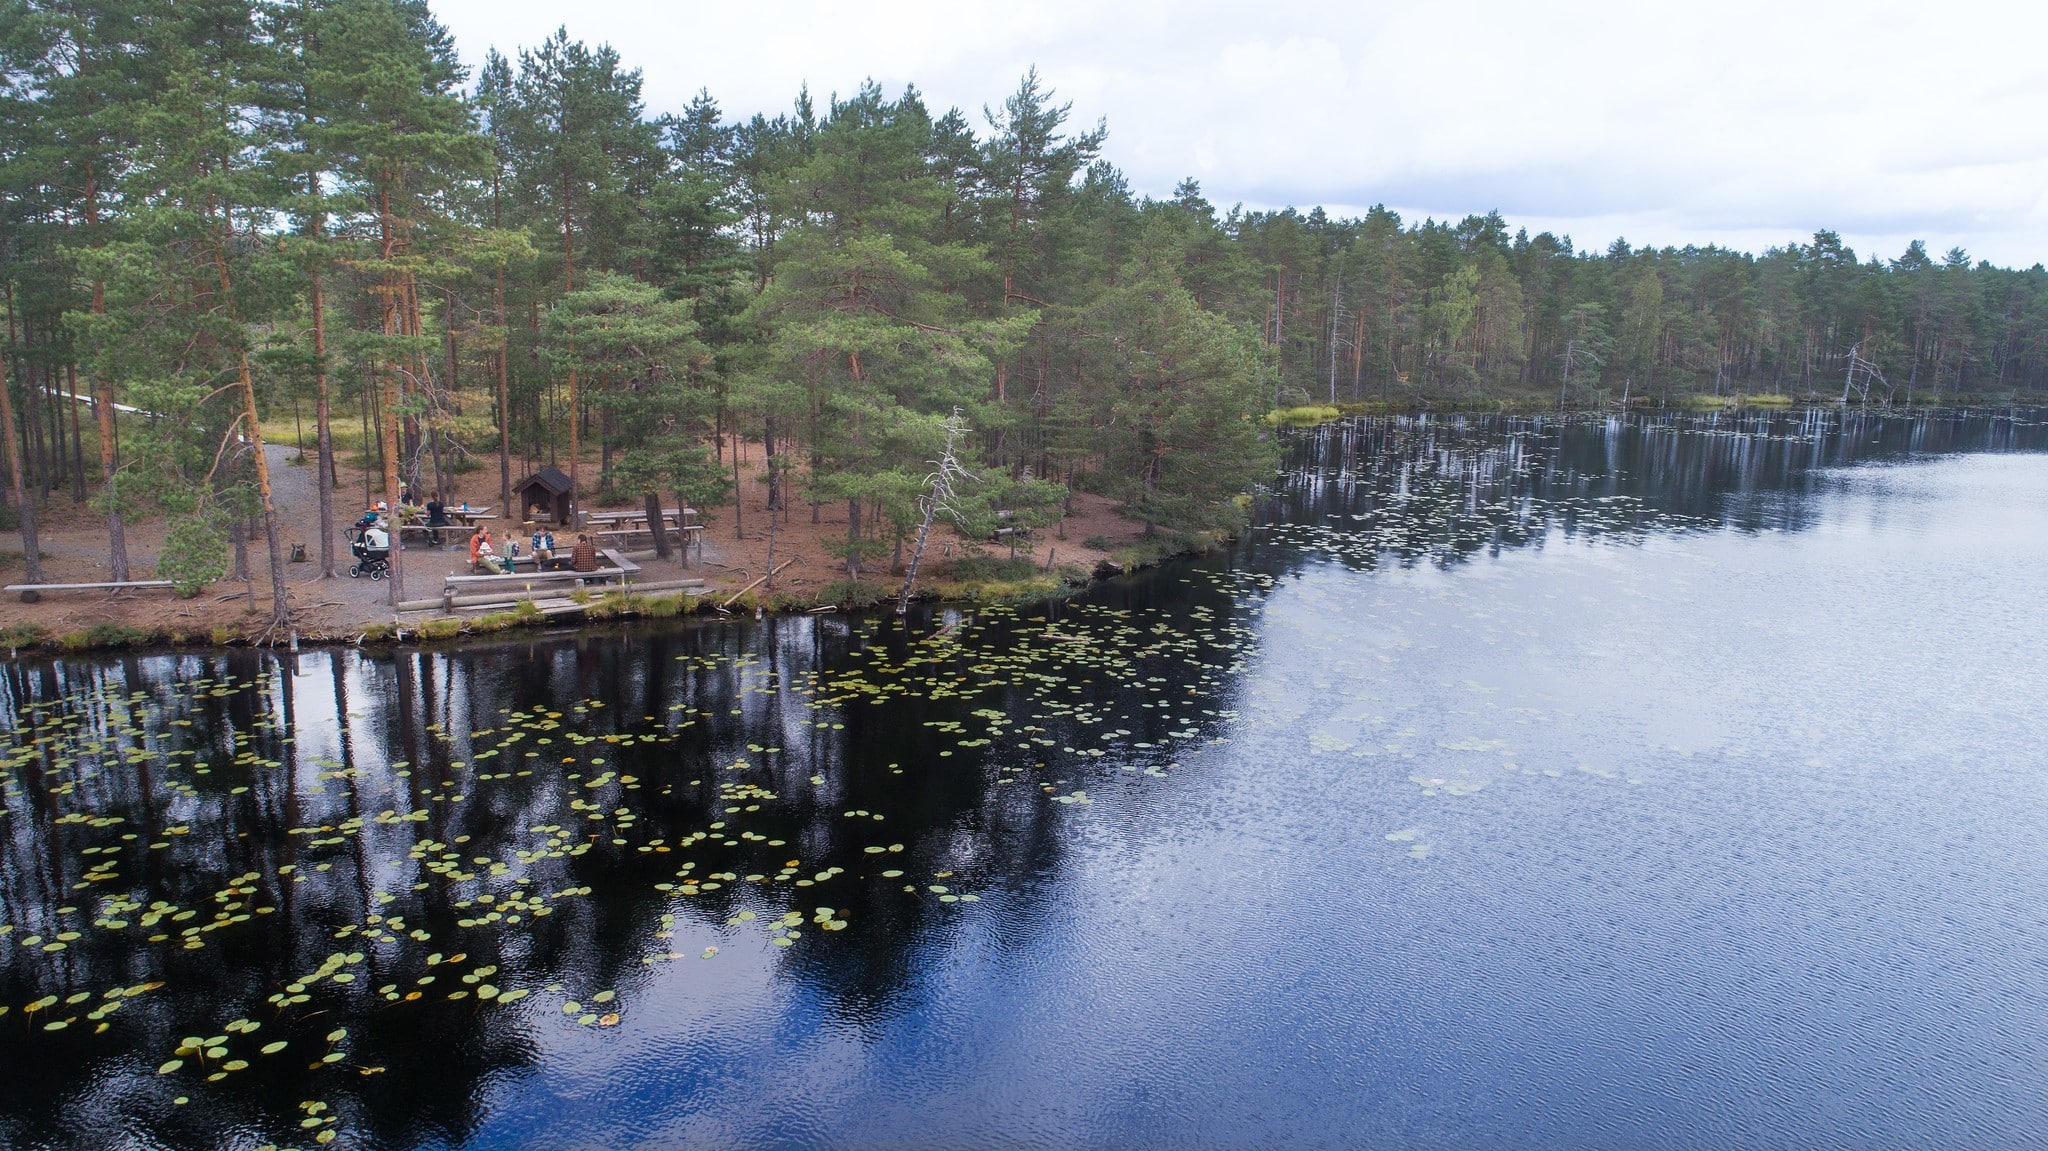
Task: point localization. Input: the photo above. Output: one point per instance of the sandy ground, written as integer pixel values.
(733, 553)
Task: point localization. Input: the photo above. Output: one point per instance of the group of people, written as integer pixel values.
(492, 561)
(379, 518)
(376, 526)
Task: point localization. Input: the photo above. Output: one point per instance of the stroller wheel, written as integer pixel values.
(376, 573)
(355, 570)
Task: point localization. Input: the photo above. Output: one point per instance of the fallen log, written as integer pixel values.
(757, 581)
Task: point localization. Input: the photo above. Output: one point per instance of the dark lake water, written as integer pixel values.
(1631, 784)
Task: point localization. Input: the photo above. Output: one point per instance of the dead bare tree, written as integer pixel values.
(1868, 371)
(939, 496)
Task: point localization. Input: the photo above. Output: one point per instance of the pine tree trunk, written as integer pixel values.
(504, 406)
(32, 556)
(280, 605)
(117, 532)
(387, 423)
(774, 480)
(50, 432)
(77, 441)
(738, 495)
(389, 435)
(103, 408)
(604, 432)
(323, 429)
(575, 411)
(852, 538)
(657, 525)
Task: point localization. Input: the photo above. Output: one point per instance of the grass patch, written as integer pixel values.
(1306, 416)
(1708, 403)
(981, 567)
(1145, 552)
(103, 635)
(24, 635)
(852, 594)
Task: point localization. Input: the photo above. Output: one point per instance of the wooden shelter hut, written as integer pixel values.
(544, 496)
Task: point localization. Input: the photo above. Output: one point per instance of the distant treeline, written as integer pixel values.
(222, 213)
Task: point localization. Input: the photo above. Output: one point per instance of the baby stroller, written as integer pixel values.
(372, 562)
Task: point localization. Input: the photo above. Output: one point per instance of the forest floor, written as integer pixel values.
(734, 553)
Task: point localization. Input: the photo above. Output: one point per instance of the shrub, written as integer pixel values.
(195, 554)
(23, 634)
(982, 568)
(853, 593)
(105, 634)
(1305, 416)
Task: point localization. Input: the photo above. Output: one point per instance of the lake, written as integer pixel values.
(1512, 783)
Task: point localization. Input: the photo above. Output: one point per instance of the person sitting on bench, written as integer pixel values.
(437, 519)
(482, 557)
(583, 557)
(543, 548)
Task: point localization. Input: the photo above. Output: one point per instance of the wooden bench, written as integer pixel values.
(528, 581)
(29, 591)
(601, 575)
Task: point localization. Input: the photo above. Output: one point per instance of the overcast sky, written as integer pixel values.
(1745, 123)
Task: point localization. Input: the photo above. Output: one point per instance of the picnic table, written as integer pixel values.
(469, 517)
(674, 516)
(622, 526)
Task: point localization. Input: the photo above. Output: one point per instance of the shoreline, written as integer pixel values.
(608, 607)
(1093, 538)
(1095, 544)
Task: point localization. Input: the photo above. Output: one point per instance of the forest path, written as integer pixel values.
(342, 602)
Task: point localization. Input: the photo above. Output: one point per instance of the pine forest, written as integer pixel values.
(222, 221)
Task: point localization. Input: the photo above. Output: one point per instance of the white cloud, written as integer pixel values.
(1747, 122)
